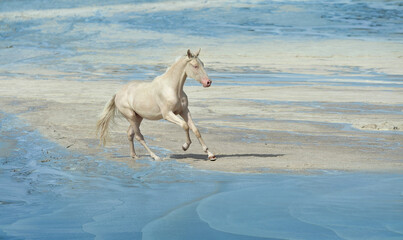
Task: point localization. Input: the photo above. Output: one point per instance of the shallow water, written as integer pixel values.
(72, 39)
(329, 19)
(48, 192)
(293, 79)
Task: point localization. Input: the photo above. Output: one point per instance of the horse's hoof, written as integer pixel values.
(185, 146)
(156, 158)
(134, 156)
(212, 158)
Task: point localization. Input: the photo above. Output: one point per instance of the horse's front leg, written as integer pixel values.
(170, 116)
(188, 118)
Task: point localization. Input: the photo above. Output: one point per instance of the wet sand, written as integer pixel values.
(250, 128)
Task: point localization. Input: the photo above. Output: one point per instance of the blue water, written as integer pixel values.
(355, 79)
(310, 18)
(76, 46)
(48, 192)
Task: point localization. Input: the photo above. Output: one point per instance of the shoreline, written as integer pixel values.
(196, 161)
(302, 132)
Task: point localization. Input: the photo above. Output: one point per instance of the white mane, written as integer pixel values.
(176, 60)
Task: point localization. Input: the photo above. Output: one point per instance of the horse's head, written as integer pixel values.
(195, 69)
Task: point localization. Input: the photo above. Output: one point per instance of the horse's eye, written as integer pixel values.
(195, 66)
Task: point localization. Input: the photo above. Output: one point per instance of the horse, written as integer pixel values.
(162, 98)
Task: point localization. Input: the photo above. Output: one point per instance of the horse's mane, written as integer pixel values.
(177, 59)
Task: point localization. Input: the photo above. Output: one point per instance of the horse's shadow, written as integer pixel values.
(204, 157)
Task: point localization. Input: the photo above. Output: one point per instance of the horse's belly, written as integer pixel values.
(148, 110)
(150, 116)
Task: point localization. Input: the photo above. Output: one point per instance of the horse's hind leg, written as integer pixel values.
(130, 136)
(134, 132)
(135, 122)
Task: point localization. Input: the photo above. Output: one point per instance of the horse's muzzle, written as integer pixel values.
(207, 83)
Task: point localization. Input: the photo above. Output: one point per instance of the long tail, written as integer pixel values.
(103, 123)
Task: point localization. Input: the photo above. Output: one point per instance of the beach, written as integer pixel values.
(254, 121)
(260, 129)
(306, 103)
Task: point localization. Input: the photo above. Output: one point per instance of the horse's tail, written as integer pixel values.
(103, 123)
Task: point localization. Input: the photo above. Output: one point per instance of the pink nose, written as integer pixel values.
(208, 83)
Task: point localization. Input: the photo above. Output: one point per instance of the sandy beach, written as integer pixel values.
(250, 128)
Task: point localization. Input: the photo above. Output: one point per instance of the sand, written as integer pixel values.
(250, 128)
(346, 114)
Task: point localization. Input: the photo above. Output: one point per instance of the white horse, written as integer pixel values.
(162, 98)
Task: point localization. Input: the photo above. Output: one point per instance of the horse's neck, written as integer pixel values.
(176, 76)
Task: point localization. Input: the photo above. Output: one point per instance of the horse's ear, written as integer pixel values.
(189, 53)
(198, 52)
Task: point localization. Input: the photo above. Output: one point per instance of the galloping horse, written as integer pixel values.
(163, 98)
